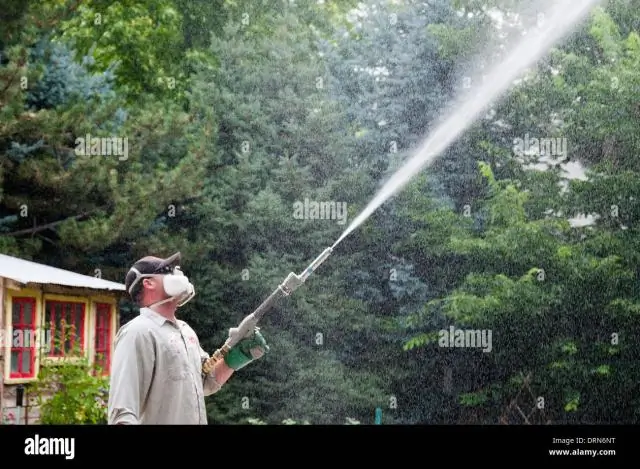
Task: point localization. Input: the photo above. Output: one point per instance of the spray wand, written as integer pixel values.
(248, 324)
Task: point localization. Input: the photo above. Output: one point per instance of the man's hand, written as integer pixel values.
(251, 348)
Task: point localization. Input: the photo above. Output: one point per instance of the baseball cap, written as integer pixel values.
(148, 265)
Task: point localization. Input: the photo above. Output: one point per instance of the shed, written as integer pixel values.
(36, 301)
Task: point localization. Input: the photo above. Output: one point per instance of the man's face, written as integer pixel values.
(157, 288)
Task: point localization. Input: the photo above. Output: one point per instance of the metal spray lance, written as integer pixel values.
(248, 324)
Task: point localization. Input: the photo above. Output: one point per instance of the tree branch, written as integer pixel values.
(47, 226)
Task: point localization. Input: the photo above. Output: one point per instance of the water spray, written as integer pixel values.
(561, 18)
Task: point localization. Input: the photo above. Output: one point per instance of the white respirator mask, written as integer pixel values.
(176, 285)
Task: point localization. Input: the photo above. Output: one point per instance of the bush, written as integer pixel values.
(71, 391)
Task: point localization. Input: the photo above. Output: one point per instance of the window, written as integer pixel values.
(103, 337)
(23, 346)
(65, 321)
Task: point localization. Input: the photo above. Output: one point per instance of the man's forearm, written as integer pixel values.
(222, 372)
(244, 352)
(217, 378)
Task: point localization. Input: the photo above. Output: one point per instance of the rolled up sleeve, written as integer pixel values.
(131, 376)
(209, 383)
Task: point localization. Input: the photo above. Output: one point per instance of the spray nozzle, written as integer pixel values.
(315, 264)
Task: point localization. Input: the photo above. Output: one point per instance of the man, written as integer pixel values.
(156, 373)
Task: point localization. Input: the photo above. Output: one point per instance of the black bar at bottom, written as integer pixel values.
(296, 445)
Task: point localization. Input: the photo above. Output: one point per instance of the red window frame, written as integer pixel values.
(21, 302)
(53, 322)
(102, 353)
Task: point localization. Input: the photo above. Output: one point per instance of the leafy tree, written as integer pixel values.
(142, 39)
(60, 205)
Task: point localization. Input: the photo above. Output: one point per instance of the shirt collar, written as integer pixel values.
(158, 319)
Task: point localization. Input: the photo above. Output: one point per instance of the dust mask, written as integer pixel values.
(176, 285)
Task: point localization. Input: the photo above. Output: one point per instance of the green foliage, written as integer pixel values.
(70, 390)
(70, 393)
(141, 38)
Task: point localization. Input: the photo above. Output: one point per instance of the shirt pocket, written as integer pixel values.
(175, 360)
(193, 347)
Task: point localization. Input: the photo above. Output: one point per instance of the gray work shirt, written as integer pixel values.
(156, 374)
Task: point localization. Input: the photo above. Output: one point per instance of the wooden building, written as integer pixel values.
(35, 301)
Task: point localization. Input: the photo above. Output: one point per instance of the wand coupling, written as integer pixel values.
(315, 264)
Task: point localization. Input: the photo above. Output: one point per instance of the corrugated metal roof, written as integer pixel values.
(24, 271)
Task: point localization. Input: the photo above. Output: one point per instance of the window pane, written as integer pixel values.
(67, 319)
(63, 325)
(72, 340)
(28, 337)
(68, 343)
(78, 319)
(15, 316)
(48, 326)
(15, 357)
(26, 361)
(56, 323)
(46, 345)
(28, 312)
(54, 315)
(46, 317)
(68, 316)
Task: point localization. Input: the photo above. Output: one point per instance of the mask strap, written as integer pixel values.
(139, 277)
(161, 302)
